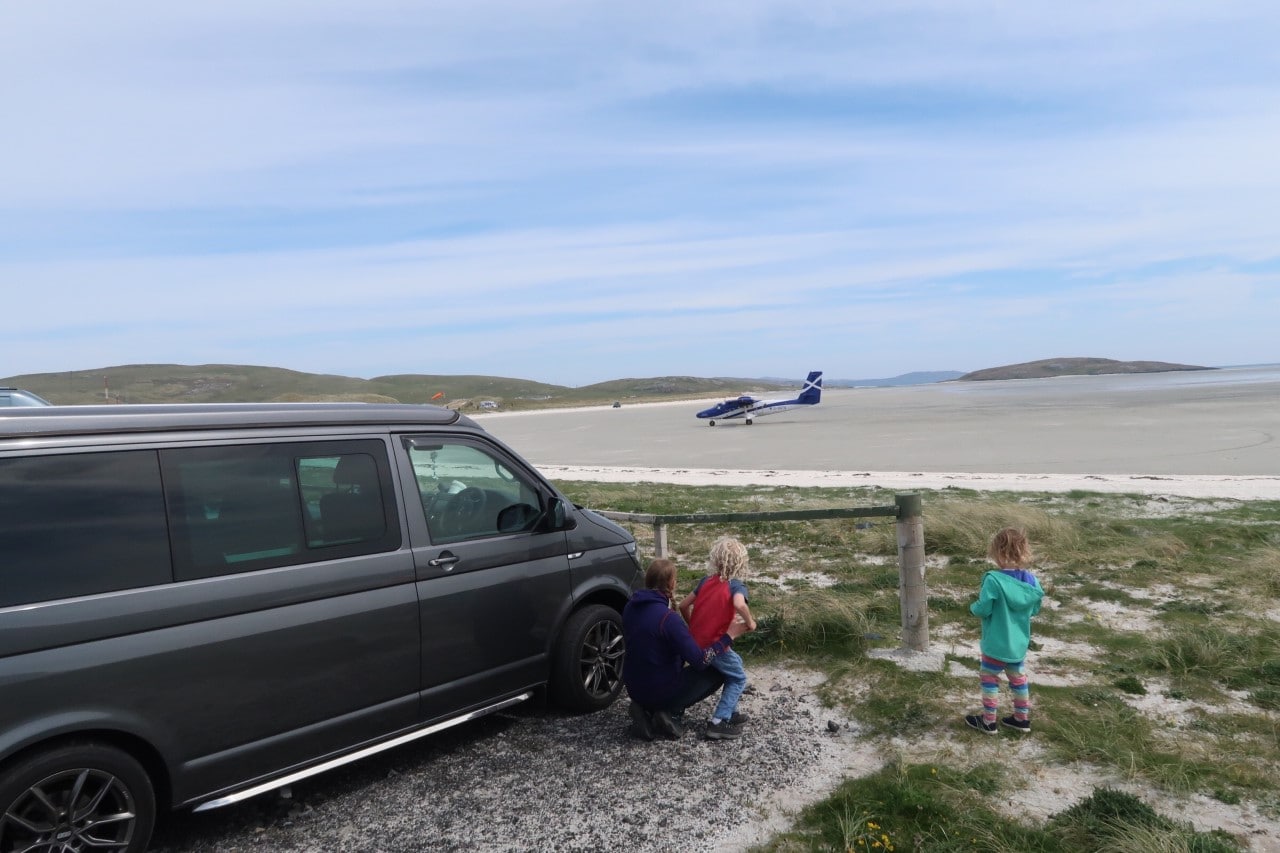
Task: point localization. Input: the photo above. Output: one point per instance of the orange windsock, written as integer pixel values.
(437, 395)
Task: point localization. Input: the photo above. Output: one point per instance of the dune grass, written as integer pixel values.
(939, 808)
(1158, 650)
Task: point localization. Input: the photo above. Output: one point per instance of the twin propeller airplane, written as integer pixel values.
(749, 408)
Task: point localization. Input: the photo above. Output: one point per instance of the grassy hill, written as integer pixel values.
(239, 383)
(1073, 367)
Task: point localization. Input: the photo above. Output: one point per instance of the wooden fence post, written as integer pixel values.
(659, 539)
(913, 594)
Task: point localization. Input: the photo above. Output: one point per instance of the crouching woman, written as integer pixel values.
(666, 670)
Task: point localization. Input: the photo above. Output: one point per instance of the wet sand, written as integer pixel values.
(1209, 433)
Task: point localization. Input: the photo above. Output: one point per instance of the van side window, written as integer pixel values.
(468, 492)
(343, 499)
(79, 524)
(257, 506)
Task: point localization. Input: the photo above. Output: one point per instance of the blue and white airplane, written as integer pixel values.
(749, 408)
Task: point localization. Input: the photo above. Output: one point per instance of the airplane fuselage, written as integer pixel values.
(724, 412)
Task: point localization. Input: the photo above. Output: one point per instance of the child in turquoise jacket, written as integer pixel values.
(1007, 600)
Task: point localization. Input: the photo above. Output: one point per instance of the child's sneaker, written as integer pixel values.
(1022, 726)
(975, 721)
(739, 717)
(723, 730)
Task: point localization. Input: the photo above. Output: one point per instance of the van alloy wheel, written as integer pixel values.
(75, 800)
(587, 674)
(602, 653)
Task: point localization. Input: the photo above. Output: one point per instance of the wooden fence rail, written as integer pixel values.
(907, 509)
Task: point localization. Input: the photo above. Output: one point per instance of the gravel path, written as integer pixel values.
(533, 779)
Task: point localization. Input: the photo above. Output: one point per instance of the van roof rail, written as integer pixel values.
(167, 417)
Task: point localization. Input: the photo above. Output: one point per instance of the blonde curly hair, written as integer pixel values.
(728, 557)
(1010, 547)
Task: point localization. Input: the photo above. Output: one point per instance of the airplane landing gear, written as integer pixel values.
(711, 423)
(749, 421)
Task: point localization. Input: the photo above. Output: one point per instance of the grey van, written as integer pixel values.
(201, 603)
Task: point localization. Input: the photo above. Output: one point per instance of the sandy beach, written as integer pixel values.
(1203, 434)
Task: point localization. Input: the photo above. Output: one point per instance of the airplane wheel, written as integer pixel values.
(711, 423)
(749, 421)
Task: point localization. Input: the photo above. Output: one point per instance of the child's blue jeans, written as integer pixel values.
(735, 681)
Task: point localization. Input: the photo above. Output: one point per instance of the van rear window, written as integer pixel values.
(245, 507)
(79, 524)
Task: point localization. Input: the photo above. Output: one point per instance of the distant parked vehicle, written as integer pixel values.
(18, 397)
(617, 405)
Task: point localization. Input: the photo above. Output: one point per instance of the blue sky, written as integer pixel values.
(576, 191)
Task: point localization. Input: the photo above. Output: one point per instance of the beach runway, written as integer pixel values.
(1206, 433)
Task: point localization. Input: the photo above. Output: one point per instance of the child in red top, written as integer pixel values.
(716, 601)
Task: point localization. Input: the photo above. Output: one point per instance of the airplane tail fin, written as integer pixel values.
(812, 391)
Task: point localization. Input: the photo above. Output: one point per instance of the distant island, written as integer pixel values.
(920, 377)
(1049, 367)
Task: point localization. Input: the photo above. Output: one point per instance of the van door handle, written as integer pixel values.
(446, 560)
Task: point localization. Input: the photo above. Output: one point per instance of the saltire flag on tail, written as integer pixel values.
(437, 395)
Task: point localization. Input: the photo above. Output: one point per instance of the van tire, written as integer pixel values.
(587, 670)
(91, 768)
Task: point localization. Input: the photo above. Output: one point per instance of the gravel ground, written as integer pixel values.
(534, 779)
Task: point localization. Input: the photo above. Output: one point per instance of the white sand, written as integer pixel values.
(1189, 485)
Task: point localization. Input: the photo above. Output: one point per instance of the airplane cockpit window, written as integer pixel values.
(469, 493)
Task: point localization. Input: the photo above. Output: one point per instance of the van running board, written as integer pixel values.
(356, 756)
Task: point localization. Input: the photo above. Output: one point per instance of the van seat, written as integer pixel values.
(354, 512)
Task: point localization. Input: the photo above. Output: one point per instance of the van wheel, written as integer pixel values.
(587, 674)
(74, 798)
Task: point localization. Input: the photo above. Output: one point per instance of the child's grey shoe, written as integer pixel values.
(1022, 726)
(739, 717)
(723, 730)
(975, 721)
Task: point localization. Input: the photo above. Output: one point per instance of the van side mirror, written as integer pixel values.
(558, 516)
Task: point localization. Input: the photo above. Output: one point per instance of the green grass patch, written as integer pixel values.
(1140, 609)
(934, 807)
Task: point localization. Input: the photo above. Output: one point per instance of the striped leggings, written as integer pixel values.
(989, 670)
